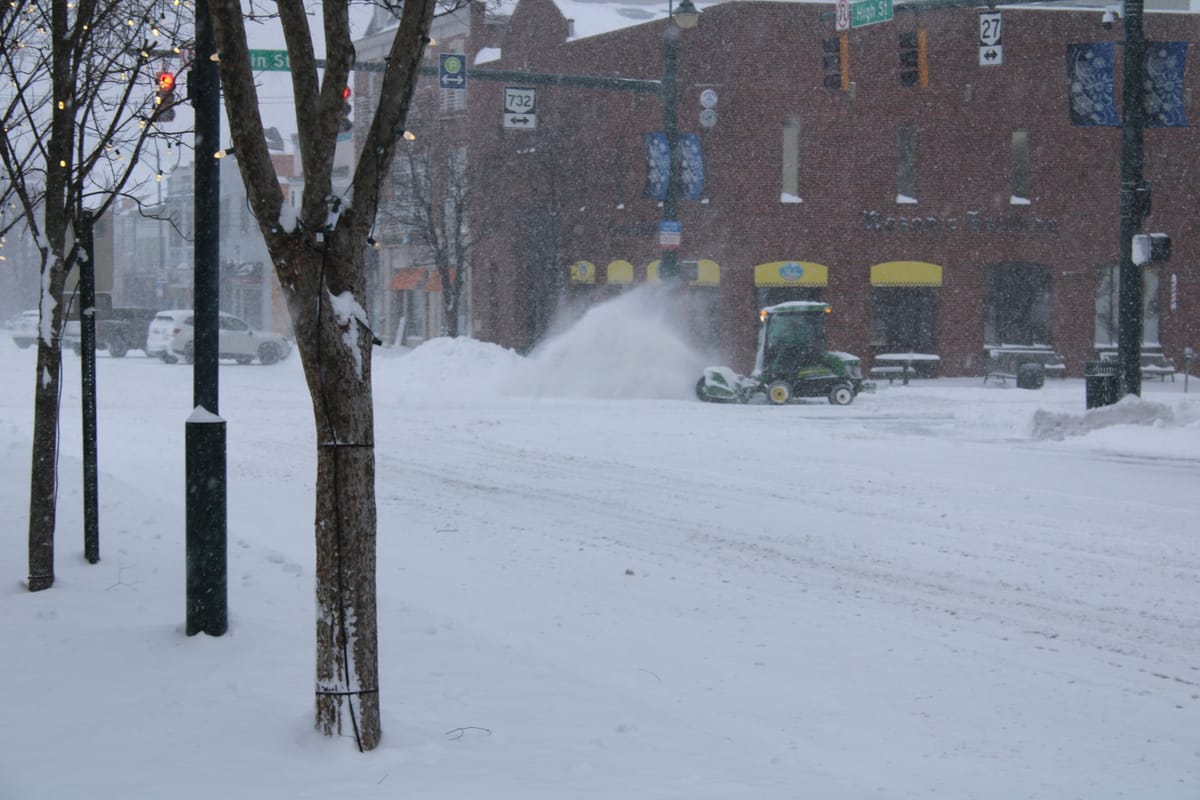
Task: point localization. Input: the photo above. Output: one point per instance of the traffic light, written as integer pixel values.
(344, 123)
(164, 98)
(835, 59)
(914, 67)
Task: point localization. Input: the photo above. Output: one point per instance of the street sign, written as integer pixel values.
(270, 61)
(869, 12)
(991, 49)
(452, 71)
(843, 15)
(520, 108)
(670, 234)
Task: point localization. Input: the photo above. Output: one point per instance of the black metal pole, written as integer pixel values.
(87, 343)
(1133, 115)
(668, 263)
(206, 549)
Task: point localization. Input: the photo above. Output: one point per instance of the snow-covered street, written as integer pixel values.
(592, 585)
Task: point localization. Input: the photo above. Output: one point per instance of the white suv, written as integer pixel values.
(25, 328)
(171, 334)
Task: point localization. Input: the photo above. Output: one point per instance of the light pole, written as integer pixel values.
(1133, 115)
(686, 16)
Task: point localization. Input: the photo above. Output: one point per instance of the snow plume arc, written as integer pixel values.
(634, 345)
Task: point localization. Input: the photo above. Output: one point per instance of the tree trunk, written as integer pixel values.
(336, 353)
(42, 483)
(43, 474)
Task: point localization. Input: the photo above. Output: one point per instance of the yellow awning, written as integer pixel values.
(583, 272)
(708, 273)
(906, 273)
(791, 273)
(619, 272)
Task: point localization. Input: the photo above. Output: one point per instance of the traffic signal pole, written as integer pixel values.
(1133, 204)
(207, 569)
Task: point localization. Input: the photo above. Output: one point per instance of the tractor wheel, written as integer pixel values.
(842, 394)
(779, 392)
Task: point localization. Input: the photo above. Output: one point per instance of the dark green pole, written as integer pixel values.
(207, 579)
(668, 263)
(87, 343)
(1133, 115)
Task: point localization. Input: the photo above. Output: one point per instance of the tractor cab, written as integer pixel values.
(791, 363)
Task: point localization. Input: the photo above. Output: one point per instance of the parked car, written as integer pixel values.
(170, 337)
(118, 330)
(24, 328)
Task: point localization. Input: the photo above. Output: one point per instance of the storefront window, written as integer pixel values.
(1108, 307)
(1018, 305)
(904, 319)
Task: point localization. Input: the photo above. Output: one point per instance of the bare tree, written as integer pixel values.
(318, 254)
(433, 193)
(78, 106)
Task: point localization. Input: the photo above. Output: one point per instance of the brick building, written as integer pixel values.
(943, 219)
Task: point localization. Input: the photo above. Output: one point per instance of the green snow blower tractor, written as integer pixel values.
(792, 363)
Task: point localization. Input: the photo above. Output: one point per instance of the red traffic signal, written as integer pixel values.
(344, 123)
(166, 82)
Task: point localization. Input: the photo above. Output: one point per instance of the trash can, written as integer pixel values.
(1102, 384)
(1031, 375)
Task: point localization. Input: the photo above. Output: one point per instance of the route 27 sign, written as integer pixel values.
(520, 108)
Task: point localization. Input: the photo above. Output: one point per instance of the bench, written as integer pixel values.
(904, 365)
(1154, 363)
(1002, 363)
(892, 373)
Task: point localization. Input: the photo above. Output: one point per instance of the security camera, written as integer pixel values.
(1106, 19)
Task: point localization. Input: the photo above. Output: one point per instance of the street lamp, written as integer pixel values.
(686, 16)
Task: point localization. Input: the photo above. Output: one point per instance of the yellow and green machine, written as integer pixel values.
(792, 362)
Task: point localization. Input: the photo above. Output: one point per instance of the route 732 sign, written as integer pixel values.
(520, 108)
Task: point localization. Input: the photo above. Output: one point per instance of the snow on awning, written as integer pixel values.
(791, 273)
(906, 273)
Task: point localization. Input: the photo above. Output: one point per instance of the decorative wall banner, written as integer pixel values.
(1164, 84)
(1090, 84)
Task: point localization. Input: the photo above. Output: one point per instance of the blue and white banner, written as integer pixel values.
(691, 176)
(1090, 84)
(1164, 84)
(658, 165)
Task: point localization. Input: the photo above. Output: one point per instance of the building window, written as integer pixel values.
(1018, 305)
(906, 165)
(790, 187)
(904, 319)
(1020, 168)
(1108, 309)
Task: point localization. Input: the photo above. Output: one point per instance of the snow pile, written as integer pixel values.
(455, 367)
(1131, 410)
